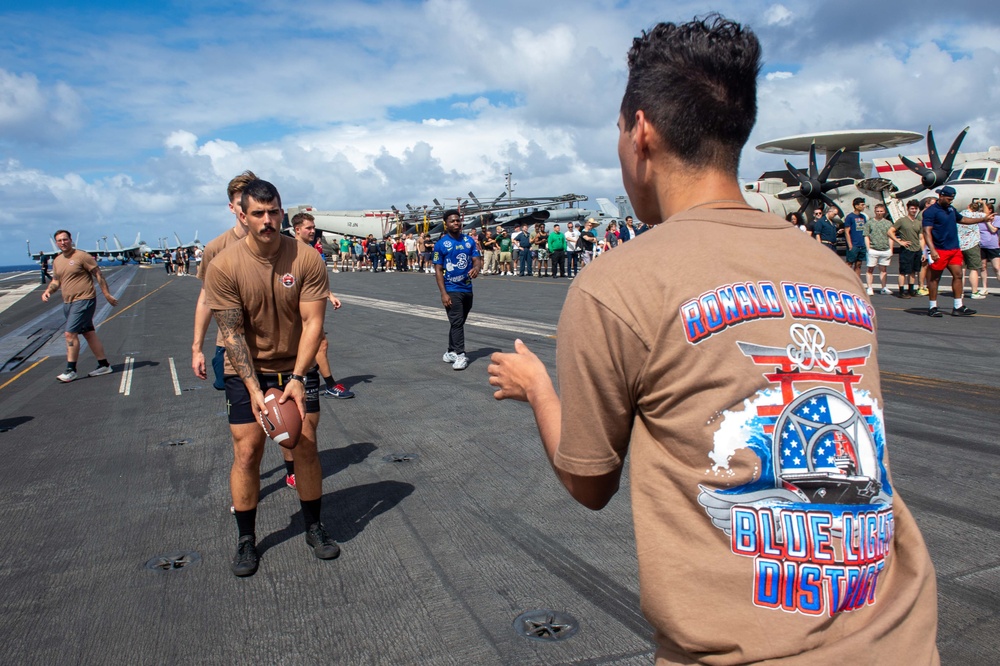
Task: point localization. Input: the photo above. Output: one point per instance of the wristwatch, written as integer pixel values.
(296, 377)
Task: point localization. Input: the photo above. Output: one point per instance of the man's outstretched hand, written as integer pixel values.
(517, 375)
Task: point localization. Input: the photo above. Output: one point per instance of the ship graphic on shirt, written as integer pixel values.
(817, 517)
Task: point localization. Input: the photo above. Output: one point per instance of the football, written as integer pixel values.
(282, 422)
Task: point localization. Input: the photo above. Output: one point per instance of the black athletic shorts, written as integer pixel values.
(238, 399)
(909, 261)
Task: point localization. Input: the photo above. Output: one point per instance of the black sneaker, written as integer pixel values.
(246, 560)
(963, 312)
(934, 312)
(323, 546)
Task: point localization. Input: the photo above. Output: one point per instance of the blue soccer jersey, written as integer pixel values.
(455, 257)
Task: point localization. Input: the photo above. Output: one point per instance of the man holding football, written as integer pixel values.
(268, 295)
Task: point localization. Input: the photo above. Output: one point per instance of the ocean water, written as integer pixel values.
(20, 268)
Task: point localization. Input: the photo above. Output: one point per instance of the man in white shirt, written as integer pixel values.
(572, 235)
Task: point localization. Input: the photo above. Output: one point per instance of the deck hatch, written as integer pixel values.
(177, 442)
(173, 561)
(546, 625)
(401, 457)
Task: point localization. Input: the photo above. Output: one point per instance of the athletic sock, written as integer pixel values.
(289, 467)
(931, 304)
(329, 382)
(246, 522)
(102, 363)
(958, 303)
(311, 510)
(71, 366)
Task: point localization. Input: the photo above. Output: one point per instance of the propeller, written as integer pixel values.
(814, 186)
(938, 172)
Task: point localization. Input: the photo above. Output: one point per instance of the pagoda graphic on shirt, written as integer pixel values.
(819, 438)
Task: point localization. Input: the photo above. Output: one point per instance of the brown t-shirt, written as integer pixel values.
(735, 360)
(268, 291)
(76, 281)
(214, 247)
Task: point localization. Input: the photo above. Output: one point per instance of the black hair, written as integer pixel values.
(448, 213)
(260, 191)
(697, 85)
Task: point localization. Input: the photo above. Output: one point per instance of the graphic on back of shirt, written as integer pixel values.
(816, 523)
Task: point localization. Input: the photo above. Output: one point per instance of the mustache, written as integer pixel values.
(267, 227)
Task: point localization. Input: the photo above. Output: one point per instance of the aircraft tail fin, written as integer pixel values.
(608, 208)
(118, 244)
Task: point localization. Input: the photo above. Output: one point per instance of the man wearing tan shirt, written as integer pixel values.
(268, 295)
(746, 398)
(74, 271)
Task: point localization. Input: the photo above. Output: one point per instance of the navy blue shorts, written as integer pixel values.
(219, 368)
(80, 315)
(238, 398)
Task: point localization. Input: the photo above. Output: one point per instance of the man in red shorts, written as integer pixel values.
(941, 221)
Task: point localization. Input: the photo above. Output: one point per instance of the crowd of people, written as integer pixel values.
(179, 261)
(527, 250)
(924, 236)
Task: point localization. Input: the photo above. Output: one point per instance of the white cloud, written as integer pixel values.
(32, 113)
(778, 15)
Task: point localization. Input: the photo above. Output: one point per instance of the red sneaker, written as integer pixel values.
(290, 481)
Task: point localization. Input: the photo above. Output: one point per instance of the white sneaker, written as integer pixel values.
(885, 292)
(461, 362)
(978, 295)
(67, 376)
(449, 357)
(101, 370)
(869, 292)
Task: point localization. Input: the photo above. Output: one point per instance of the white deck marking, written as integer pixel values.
(14, 295)
(510, 324)
(17, 275)
(125, 387)
(173, 375)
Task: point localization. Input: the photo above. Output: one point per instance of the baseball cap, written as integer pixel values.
(947, 191)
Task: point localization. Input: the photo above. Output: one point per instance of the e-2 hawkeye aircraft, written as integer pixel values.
(844, 177)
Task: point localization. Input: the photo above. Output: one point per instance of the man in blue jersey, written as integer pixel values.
(940, 223)
(456, 262)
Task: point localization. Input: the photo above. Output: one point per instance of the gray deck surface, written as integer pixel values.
(441, 552)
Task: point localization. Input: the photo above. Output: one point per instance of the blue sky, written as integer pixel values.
(126, 117)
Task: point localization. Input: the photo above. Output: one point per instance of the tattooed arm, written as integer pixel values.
(51, 289)
(231, 326)
(104, 286)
